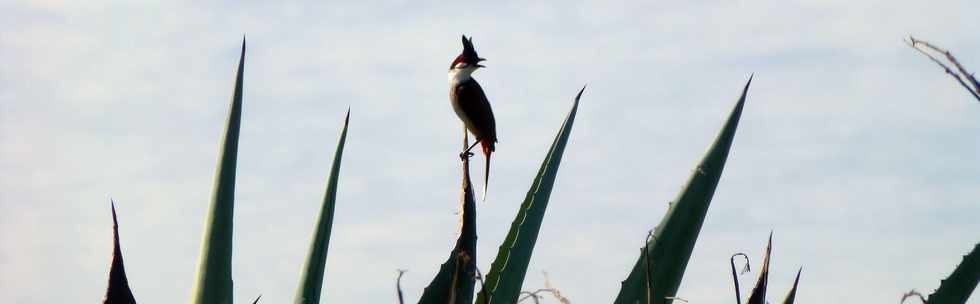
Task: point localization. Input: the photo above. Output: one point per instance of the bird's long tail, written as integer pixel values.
(487, 150)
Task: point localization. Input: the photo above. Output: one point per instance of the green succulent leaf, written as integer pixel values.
(503, 283)
(457, 276)
(311, 281)
(118, 291)
(213, 284)
(960, 284)
(670, 247)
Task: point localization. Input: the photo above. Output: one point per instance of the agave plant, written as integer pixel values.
(655, 277)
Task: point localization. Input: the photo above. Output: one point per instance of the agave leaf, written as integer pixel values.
(311, 281)
(503, 284)
(118, 291)
(457, 276)
(791, 296)
(213, 284)
(674, 238)
(960, 284)
(758, 295)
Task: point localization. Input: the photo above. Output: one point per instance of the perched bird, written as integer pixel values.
(471, 104)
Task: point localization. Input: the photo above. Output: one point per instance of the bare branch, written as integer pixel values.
(965, 78)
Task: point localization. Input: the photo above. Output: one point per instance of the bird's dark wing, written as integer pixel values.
(473, 102)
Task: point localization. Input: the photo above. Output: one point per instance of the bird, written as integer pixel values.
(472, 106)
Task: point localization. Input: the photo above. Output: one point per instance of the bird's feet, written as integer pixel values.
(465, 155)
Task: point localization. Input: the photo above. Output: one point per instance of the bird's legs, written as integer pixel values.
(466, 153)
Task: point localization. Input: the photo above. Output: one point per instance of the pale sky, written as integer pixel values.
(860, 155)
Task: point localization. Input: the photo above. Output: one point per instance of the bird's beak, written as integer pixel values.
(480, 65)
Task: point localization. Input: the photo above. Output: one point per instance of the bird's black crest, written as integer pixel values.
(469, 53)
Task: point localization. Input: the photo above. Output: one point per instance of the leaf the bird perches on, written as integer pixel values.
(456, 279)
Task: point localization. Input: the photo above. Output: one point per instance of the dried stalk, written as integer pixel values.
(965, 78)
(548, 289)
(398, 286)
(738, 293)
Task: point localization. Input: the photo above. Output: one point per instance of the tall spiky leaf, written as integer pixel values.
(457, 276)
(758, 295)
(213, 284)
(118, 291)
(791, 296)
(311, 281)
(960, 284)
(503, 284)
(674, 238)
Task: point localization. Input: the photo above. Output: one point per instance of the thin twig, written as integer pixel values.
(548, 288)
(398, 286)
(535, 295)
(952, 59)
(959, 76)
(555, 292)
(530, 295)
(912, 294)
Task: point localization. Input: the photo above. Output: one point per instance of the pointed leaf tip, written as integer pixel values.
(115, 224)
(213, 282)
(311, 280)
(118, 290)
(670, 250)
(347, 117)
(745, 90)
(791, 296)
(758, 295)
